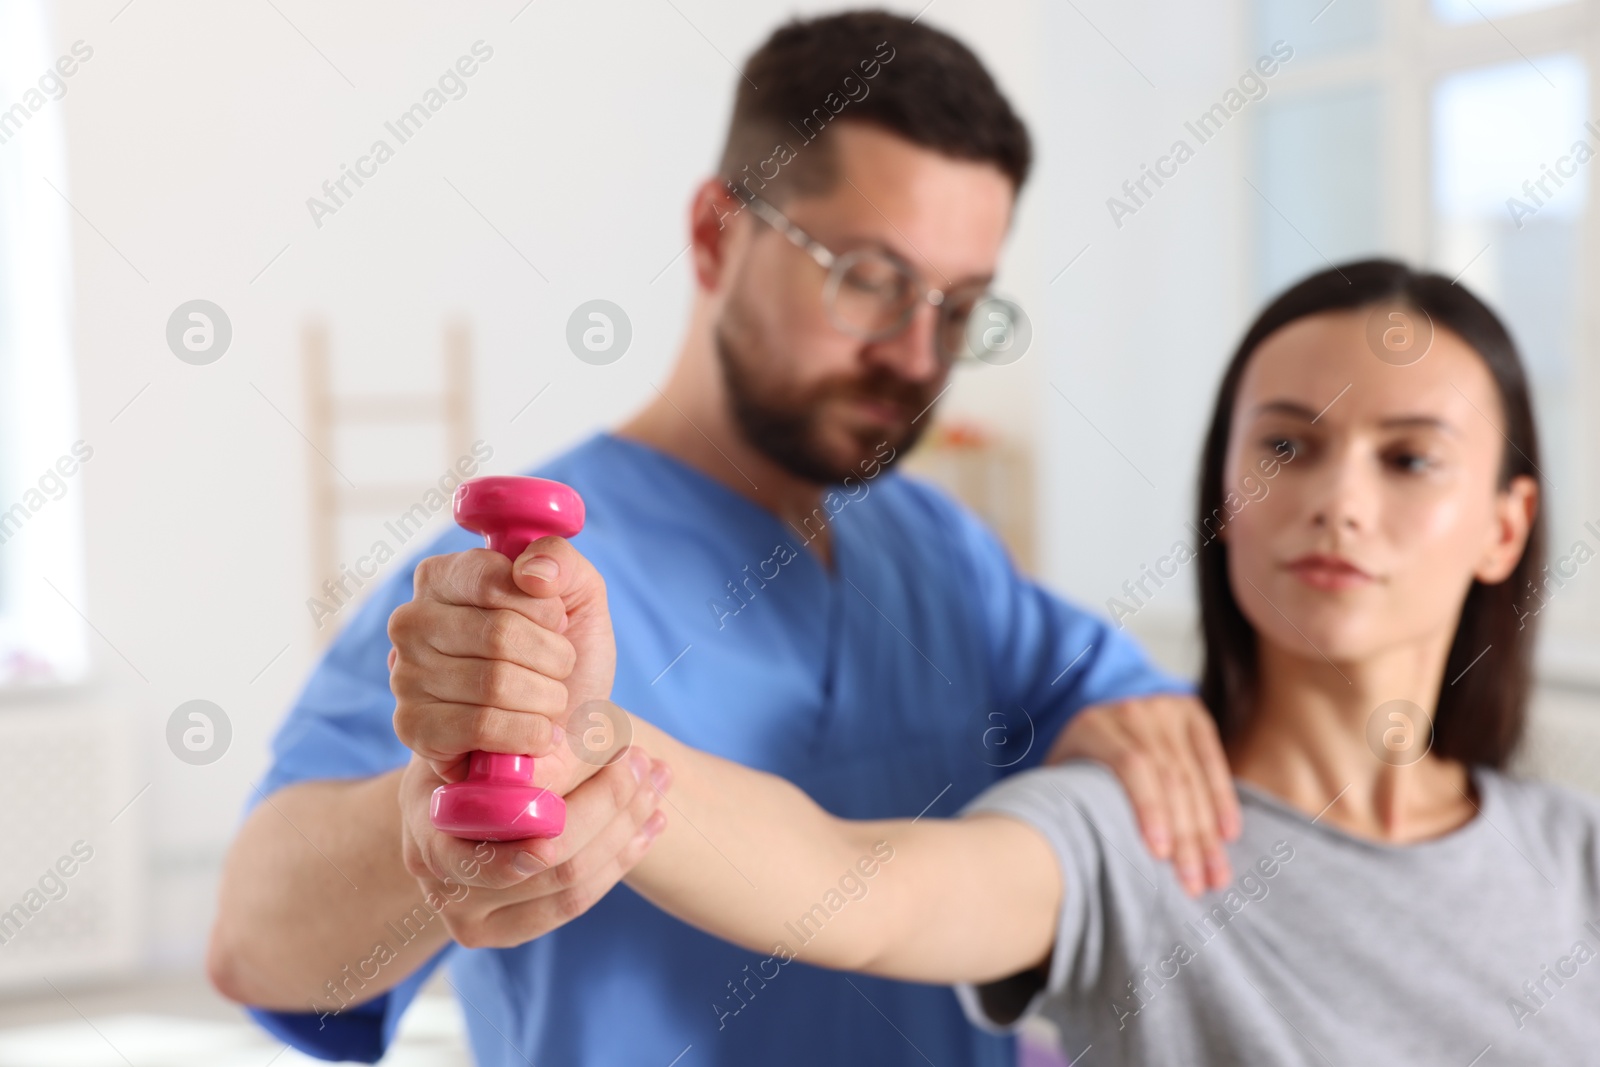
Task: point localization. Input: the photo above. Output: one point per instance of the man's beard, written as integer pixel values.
(785, 428)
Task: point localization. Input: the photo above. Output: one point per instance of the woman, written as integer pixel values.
(1369, 520)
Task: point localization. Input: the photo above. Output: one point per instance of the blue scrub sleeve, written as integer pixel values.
(1050, 659)
(361, 1033)
(342, 726)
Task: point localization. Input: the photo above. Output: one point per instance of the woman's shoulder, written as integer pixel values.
(1557, 827)
(1081, 781)
(1565, 815)
(1077, 794)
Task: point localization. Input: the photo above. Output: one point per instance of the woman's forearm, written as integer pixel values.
(312, 883)
(745, 853)
(749, 857)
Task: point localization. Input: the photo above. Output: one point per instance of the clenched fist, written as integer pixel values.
(495, 655)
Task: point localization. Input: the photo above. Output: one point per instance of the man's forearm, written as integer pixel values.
(313, 885)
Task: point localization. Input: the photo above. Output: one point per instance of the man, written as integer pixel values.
(780, 598)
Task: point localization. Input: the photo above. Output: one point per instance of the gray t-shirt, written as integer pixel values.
(1481, 947)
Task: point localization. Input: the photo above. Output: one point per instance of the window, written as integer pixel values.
(1456, 134)
(1514, 224)
(1459, 11)
(42, 636)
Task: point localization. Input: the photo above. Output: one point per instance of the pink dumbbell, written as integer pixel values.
(497, 801)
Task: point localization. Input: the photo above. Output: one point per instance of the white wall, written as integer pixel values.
(1164, 290)
(198, 131)
(196, 134)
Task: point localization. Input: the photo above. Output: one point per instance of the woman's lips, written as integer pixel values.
(1322, 571)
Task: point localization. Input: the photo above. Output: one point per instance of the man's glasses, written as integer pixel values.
(872, 294)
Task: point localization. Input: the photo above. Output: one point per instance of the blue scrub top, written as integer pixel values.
(920, 670)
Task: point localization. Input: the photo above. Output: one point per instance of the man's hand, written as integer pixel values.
(1166, 751)
(494, 655)
(497, 894)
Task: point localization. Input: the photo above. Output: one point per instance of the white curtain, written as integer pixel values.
(42, 638)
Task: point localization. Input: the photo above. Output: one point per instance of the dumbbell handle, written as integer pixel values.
(498, 801)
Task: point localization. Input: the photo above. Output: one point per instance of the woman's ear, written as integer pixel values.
(1515, 508)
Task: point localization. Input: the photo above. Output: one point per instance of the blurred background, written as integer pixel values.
(171, 510)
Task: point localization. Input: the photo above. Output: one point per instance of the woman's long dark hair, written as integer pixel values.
(1476, 723)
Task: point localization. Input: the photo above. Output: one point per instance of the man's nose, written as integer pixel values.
(911, 353)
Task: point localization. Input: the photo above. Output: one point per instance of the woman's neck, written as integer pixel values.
(1344, 743)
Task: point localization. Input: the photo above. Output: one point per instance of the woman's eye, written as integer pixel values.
(1282, 447)
(1411, 462)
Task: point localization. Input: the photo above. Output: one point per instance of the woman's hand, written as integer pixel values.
(497, 894)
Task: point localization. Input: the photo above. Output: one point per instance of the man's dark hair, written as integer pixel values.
(1477, 723)
(869, 67)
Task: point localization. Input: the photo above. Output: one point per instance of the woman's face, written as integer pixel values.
(1367, 535)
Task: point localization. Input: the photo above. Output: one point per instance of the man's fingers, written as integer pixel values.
(470, 632)
(1167, 753)
(426, 675)
(1101, 734)
(442, 733)
(1207, 747)
(1162, 729)
(551, 568)
(1188, 853)
(1166, 728)
(481, 578)
(1201, 754)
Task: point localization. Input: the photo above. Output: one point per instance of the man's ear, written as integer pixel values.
(1515, 509)
(715, 216)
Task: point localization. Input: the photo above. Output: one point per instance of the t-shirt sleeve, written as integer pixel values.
(1050, 658)
(1109, 887)
(342, 726)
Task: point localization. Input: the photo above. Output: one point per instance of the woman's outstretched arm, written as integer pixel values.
(750, 858)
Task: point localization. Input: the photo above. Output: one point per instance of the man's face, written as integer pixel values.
(811, 397)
